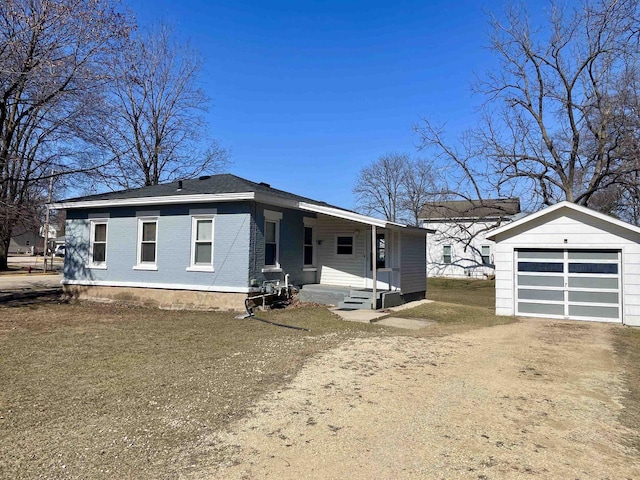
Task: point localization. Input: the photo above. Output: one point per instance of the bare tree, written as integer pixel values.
(395, 187)
(154, 127)
(556, 118)
(419, 187)
(52, 64)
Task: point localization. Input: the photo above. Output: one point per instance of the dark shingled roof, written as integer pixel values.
(488, 208)
(208, 184)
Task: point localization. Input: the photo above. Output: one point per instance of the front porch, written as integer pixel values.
(349, 298)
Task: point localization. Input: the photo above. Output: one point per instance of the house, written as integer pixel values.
(27, 241)
(568, 262)
(30, 240)
(459, 247)
(214, 240)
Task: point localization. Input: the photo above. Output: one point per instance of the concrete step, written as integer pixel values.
(350, 303)
(367, 294)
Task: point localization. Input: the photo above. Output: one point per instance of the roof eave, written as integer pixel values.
(147, 201)
(231, 197)
(565, 204)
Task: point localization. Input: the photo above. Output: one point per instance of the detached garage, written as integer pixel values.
(568, 262)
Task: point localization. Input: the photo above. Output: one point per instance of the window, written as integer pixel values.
(446, 254)
(308, 246)
(147, 243)
(486, 254)
(202, 243)
(344, 245)
(380, 250)
(270, 243)
(272, 240)
(98, 244)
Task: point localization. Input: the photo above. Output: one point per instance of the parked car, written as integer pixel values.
(60, 251)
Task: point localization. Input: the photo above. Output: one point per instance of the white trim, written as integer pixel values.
(92, 230)
(271, 270)
(231, 197)
(344, 214)
(140, 264)
(144, 266)
(272, 215)
(200, 267)
(169, 199)
(310, 269)
(161, 286)
(568, 205)
(312, 226)
(353, 245)
(450, 262)
(96, 267)
(276, 266)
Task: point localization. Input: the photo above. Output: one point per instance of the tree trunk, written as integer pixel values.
(5, 238)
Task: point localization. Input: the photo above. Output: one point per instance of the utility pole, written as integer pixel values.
(46, 226)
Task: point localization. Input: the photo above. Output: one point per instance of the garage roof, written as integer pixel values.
(558, 206)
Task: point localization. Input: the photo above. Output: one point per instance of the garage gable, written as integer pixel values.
(567, 220)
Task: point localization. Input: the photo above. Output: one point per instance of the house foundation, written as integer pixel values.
(160, 298)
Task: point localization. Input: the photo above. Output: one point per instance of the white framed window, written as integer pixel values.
(202, 243)
(485, 253)
(344, 245)
(147, 243)
(446, 254)
(98, 244)
(272, 241)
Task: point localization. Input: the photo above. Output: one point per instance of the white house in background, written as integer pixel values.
(568, 262)
(459, 248)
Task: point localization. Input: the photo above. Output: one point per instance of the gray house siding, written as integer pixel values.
(290, 245)
(230, 246)
(413, 278)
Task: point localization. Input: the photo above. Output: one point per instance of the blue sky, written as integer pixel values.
(306, 93)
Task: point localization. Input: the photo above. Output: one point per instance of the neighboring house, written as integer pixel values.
(25, 242)
(459, 247)
(214, 240)
(568, 262)
(30, 241)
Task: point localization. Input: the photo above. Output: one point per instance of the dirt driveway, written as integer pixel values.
(534, 399)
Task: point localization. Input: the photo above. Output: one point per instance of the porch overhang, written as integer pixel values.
(359, 218)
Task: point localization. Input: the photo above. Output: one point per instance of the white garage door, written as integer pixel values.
(574, 284)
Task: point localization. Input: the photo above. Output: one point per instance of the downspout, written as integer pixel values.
(254, 233)
(374, 268)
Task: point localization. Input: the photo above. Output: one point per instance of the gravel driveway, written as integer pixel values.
(534, 399)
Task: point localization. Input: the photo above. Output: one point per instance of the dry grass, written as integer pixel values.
(459, 305)
(96, 391)
(627, 345)
(472, 292)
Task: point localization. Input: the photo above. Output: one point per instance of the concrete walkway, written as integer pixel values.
(371, 316)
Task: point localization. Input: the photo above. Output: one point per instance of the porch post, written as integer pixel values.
(374, 267)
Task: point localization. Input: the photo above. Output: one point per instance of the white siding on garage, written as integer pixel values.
(569, 228)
